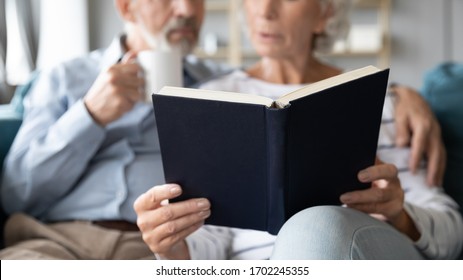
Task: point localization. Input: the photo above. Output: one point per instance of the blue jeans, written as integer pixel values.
(333, 232)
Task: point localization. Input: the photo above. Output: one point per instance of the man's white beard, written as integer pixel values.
(160, 40)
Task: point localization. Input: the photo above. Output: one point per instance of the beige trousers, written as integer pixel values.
(27, 238)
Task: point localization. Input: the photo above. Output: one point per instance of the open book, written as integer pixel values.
(260, 161)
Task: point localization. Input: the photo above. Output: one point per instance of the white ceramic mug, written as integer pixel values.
(162, 68)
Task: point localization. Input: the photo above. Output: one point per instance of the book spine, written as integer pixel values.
(276, 161)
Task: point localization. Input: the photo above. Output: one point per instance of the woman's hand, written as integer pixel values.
(417, 126)
(384, 199)
(165, 226)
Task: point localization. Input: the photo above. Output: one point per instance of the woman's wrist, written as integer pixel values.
(404, 223)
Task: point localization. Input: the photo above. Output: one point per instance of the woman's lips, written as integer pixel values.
(269, 37)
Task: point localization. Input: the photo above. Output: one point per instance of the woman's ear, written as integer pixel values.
(327, 11)
(126, 9)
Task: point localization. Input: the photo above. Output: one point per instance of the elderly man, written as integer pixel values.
(88, 146)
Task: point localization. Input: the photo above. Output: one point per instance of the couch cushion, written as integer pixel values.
(443, 89)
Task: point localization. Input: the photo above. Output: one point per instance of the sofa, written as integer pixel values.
(442, 88)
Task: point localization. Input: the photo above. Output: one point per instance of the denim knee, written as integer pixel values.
(334, 232)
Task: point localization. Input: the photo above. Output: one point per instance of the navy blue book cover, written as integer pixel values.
(258, 165)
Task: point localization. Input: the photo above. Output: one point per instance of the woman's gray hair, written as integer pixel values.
(337, 26)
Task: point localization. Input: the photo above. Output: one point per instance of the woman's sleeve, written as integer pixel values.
(210, 243)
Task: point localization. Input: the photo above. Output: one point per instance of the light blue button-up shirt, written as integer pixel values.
(63, 166)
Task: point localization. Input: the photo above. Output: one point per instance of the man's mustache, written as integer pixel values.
(178, 23)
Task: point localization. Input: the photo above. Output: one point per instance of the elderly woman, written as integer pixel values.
(398, 217)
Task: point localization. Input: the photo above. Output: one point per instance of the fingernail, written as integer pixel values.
(205, 213)
(364, 176)
(175, 190)
(345, 198)
(202, 204)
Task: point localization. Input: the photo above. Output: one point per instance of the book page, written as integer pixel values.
(324, 84)
(216, 95)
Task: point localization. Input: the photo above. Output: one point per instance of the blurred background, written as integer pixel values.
(409, 36)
